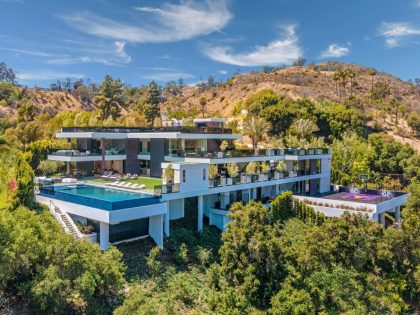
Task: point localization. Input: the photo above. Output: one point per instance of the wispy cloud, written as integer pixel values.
(45, 75)
(168, 23)
(112, 55)
(335, 51)
(416, 3)
(69, 52)
(397, 33)
(222, 71)
(280, 51)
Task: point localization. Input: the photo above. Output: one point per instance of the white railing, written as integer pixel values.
(65, 221)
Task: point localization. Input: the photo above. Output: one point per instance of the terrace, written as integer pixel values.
(247, 153)
(192, 130)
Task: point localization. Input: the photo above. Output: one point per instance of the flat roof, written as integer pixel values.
(218, 120)
(368, 196)
(175, 132)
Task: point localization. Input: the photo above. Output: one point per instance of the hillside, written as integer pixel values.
(315, 82)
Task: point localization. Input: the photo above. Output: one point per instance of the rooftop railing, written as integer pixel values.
(204, 130)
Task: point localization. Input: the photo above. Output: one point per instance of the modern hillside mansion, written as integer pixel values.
(197, 162)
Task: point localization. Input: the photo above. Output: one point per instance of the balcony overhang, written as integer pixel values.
(86, 158)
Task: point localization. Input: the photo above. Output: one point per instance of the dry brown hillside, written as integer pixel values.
(315, 82)
(50, 102)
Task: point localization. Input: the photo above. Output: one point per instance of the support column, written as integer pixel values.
(104, 235)
(200, 213)
(182, 205)
(103, 145)
(68, 167)
(166, 223)
(382, 218)
(156, 229)
(398, 214)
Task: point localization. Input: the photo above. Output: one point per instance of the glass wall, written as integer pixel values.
(115, 146)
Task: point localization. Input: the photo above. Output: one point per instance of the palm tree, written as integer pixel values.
(256, 128)
(303, 128)
(351, 74)
(372, 72)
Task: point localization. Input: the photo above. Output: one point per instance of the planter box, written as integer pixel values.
(222, 181)
(244, 178)
(262, 177)
(278, 175)
(229, 181)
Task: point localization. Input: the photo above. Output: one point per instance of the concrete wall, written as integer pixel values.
(156, 229)
(157, 156)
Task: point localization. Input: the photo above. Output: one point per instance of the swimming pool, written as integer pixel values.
(98, 197)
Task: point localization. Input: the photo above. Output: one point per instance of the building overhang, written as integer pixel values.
(146, 135)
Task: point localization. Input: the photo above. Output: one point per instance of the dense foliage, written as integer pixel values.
(51, 272)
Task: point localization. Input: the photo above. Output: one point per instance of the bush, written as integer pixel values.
(181, 255)
(47, 167)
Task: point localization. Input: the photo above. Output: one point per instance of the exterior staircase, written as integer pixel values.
(65, 221)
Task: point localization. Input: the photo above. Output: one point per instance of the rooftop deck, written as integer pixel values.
(194, 130)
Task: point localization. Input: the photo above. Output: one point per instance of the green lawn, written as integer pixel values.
(150, 182)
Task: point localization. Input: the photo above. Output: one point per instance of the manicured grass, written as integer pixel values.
(100, 180)
(150, 182)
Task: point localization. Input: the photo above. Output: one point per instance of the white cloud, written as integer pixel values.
(417, 3)
(76, 52)
(396, 33)
(335, 51)
(167, 76)
(168, 23)
(281, 51)
(222, 71)
(45, 75)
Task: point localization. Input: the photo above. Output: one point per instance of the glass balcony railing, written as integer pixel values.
(162, 189)
(78, 153)
(245, 153)
(262, 177)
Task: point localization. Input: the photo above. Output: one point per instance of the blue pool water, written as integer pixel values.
(98, 197)
(101, 193)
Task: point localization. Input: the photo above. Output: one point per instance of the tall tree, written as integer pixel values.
(7, 74)
(372, 72)
(203, 102)
(110, 98)
(151, 105)
(256, 128)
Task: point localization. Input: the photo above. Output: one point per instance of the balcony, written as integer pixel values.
(244, 178)
(246, 153)
(195, 130)
(162, 189)
(76, 155)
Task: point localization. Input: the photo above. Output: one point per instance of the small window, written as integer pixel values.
(183, 176)
(204, 174)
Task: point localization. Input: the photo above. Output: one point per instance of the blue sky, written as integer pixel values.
(141, 40)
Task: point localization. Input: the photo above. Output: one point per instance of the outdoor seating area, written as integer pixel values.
(131, 186)
(111, 175)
